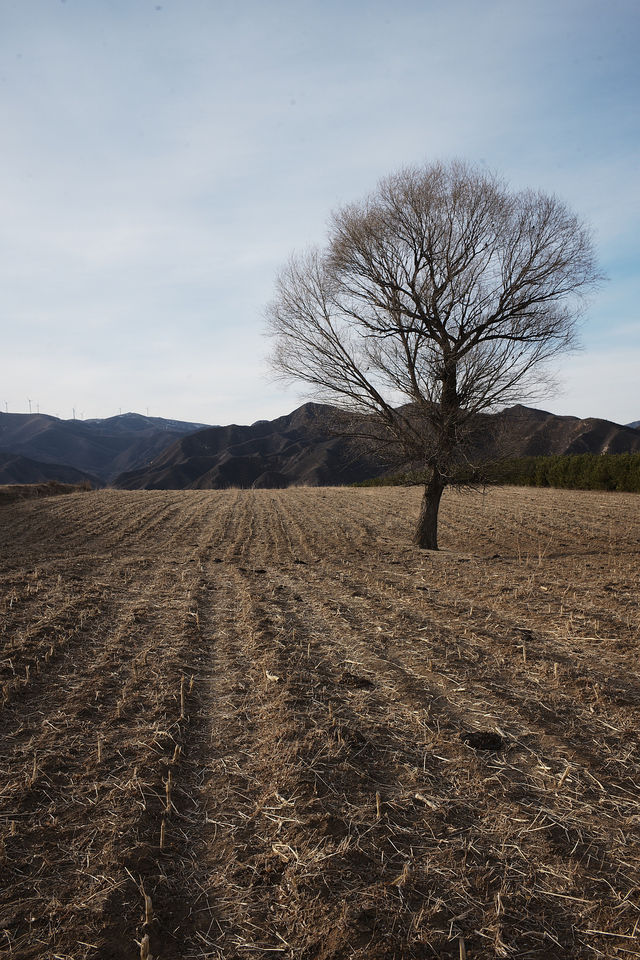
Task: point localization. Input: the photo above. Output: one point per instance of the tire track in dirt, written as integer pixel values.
(104, 685)
(282, 782)
(166, 861)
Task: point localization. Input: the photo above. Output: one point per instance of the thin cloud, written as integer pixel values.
(160, 165)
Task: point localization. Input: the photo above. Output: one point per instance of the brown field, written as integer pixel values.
(240, 724)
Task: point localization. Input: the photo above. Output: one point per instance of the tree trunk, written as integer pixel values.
(426, 535)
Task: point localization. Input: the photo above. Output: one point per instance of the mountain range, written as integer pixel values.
(302, 448)
(135, 452)
(99, 450)
(299, 448)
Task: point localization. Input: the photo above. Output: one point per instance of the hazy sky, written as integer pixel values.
(160, 160)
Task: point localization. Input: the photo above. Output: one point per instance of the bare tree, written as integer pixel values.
(439, 297)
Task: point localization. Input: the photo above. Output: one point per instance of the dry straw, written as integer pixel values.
(168, 786)
(549, 820)
(148, 909)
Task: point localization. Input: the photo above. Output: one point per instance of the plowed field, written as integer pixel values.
(256, 723)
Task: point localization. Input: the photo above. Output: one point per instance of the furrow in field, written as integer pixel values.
(237, 539)
(293, 780)
(74, 761)
(94, 766)
(310, 734)
(502, 595)
(468, 610)
(257, 717)
(168, 854)
(402, 640)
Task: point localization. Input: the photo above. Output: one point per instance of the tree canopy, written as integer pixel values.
(441, 296)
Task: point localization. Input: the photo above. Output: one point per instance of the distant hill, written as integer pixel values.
(302, 448)
(635, 425)
(17, 469)
(299, 448)
(137, 452)
(539, 433)
(100, 448)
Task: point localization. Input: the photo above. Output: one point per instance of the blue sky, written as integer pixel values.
(160, 161)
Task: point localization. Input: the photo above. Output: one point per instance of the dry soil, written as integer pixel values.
(257, 723)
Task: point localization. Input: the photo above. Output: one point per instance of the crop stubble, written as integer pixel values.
(238, 723)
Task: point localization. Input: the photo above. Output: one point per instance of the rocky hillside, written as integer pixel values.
(303, 448)
(538, 433)
(300, 448)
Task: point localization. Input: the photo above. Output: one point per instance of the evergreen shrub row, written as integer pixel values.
(583, 471)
